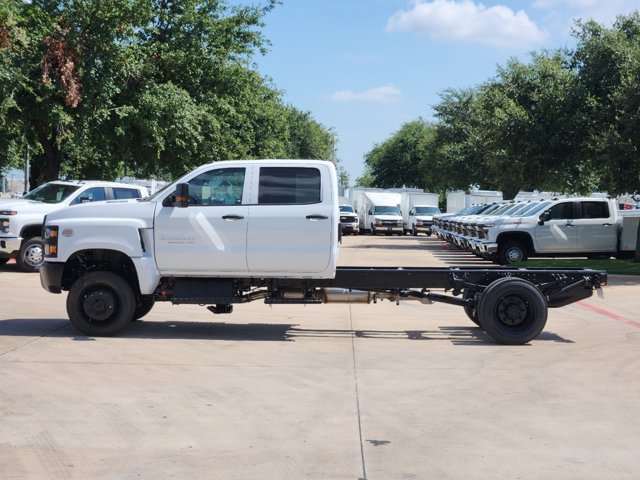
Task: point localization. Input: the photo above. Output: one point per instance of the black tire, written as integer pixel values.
(472, 312)
(373, 231)
(512, 252)
(415, 231)
(31, 254)
(101, 304)
(429, 234)
(144, 306)
(513, 311)
(3, 261)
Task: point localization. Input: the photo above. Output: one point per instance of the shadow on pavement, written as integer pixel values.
(254, 332)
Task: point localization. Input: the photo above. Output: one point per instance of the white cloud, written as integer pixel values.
(385, 94)
(498, 26)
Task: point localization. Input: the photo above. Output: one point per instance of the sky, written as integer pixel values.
(363, 68)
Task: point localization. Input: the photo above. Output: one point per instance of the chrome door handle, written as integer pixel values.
(606, 224)
(317, 217)
(232, 217)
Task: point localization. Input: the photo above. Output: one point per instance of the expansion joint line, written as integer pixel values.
(355, 382)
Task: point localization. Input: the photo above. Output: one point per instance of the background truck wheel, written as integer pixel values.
(31, 254)
(415, 231)
(512, 252)
(101, 304)
(144, 306)
(513, 311)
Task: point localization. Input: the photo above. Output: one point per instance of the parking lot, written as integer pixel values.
(335, 391)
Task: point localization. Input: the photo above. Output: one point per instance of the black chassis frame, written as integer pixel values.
(559, 286)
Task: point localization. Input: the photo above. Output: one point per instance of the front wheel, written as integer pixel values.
(101, 304)
(31, 254)
(144, 306)
(512, 252)
(513, 311)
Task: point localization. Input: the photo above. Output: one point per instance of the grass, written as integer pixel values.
(613, 266)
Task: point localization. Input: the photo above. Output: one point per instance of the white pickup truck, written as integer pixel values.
(21, 219)
(579, 226)
(239, 231)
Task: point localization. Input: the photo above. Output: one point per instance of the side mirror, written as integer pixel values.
(180, 199)
(370, 212)
(544, 218)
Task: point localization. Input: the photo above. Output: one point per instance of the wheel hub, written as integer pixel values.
(34, 255)
(512, 311)
(99, 304)
(514, 255)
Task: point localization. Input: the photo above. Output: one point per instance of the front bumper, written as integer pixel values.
(51, 276)
(350, 227)
(9, 246)
(387, 229)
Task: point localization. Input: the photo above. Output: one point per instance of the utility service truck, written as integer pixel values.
(418, 210)
(239, 231)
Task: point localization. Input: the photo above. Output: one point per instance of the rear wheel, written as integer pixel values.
(31, 254)
(101, 304)
(513, 311)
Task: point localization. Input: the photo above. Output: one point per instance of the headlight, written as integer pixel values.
(50, 237)
(8, 212)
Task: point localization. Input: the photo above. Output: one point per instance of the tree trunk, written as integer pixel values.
(53, 157)
(636, 258)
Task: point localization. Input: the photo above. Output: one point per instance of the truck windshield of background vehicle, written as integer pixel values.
(386, 210)
(51, 192)
(427, 210)
(533, 209)
(346, 209)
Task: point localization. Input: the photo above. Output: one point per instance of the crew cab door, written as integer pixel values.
(290, 219)
(597, 230)
(208, 236)
(558, 233)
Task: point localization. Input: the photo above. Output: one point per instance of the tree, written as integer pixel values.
(398, 161)
(150, 87)
(609, 64)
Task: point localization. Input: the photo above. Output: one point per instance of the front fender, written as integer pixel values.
(100, 234)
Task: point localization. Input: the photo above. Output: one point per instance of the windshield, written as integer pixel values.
(346, 208)
(538, 208)
(380, 210)
(427, 210)
(51, 192)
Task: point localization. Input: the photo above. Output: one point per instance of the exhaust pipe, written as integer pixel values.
(344, 295)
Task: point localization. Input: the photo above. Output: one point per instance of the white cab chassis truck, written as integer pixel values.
(239, 231)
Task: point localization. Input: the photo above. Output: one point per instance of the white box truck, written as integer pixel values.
(379, 212)
(418, 210)
(459, 200)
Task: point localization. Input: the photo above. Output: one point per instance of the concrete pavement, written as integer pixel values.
(320, 392)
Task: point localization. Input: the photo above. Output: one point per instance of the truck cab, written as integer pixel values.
(264, 218)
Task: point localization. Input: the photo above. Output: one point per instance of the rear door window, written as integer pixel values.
(120, 193)
(594, 209)
(289, 186)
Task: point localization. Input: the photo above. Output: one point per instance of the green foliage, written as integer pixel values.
(149, 87)
(565, 121)
(394, 162)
